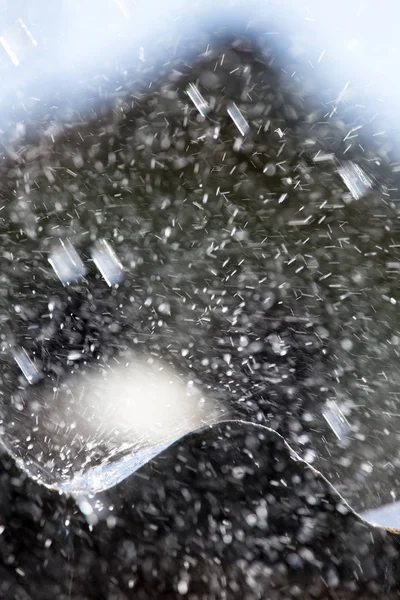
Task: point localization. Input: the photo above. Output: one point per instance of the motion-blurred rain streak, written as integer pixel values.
(27, 366)
(238, 119)
(17, 41)
(66, 263)
(107, 263)
(200, 103)
(357, 182)
(336, 419)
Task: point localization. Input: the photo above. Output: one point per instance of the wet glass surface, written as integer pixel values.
(207, 244)
(214, 224)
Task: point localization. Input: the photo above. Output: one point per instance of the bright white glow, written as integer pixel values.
(131, 409)
(144, 402)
